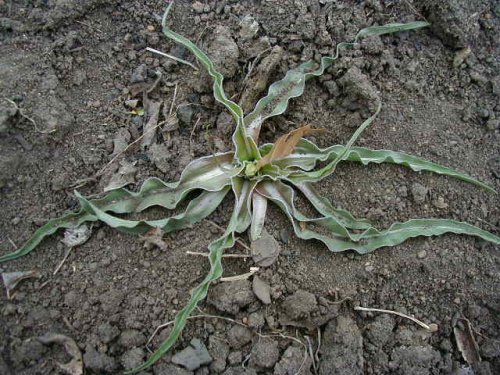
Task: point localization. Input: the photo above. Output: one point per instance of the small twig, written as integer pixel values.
(224, 255)
(171, 57)
(12, 243)
(433, 327)
(62, 261)
(316, 353)
(154, 84)
(241, 277)
(170, 111)
(89, 25)
(310, 350)
(23, 115)
(192, 134)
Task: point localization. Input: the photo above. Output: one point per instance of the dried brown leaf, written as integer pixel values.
(285, 144)
(154, 238)
(11, 279)
(75, 365)
(466, 342)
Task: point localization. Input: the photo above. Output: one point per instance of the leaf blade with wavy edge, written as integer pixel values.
(197, 209)
(372, 238)
(239, 222)
(70, 220)
(325, 208)
(206, 173)
(330, 167)
(307, 154)
(293, 84)
(278, 188)
(246, 148)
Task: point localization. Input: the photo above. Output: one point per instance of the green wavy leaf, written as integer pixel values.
(246, 148)
(371, 239)
(307, 154)
(293, 84)
(197, 209)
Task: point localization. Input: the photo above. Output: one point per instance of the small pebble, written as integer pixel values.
(369, 268)
(440, 203)
(422, 254)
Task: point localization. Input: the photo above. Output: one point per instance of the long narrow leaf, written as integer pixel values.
(211, 173)
(293, 84)
(307, 154)
(246, 148)
(70, 220)
(239, 222)
(325, 208)
(372, 238)
(197, 209)
(216, 249)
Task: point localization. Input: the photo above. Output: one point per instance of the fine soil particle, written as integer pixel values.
(76, 71)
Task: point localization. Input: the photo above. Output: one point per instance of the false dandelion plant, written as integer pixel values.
(259, 174)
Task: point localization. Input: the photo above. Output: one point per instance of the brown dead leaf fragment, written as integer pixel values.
(466, 342)
(75, 365)
(285, 144)
(154, 238)
(11, 279)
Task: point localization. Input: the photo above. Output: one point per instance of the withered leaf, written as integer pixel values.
(285, 144)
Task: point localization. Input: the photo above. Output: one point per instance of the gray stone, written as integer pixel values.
(7, 115)
(342, 348)
(262, 290)
(380, 331)
(492, 124)
(198, 7)
(107, 333)
(299, 305)
(219, 351)
(139, 74)
(224, 51)
(292, 362)
(230, 297)
(256, 319)
(235, 358)
(360, 95)
(239, 336)
(240, 371)
(29, 350)
(249, 27)
(419, 192)
(265, 250)
(99, 362)
(131, 338)
(193, 356)
(415, 359)
(132, 358)
(185, 113)
(225, 123)
(265, 353)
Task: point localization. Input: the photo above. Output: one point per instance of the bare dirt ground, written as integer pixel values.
(71, 67)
